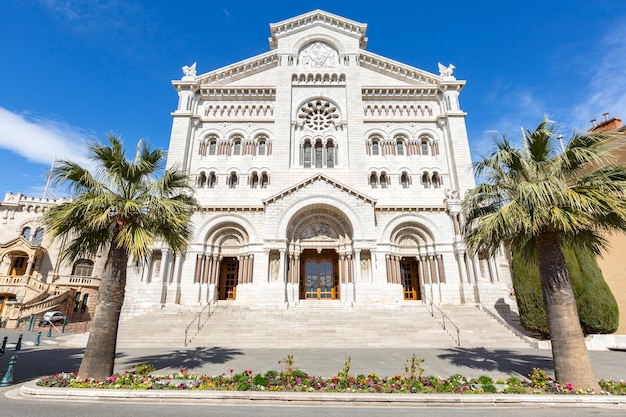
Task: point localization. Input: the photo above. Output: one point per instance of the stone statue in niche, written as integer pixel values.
(274, 263)
(318, 55)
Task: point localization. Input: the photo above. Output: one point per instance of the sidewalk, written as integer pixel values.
(65, 356)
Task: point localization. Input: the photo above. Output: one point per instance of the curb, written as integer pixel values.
(30, 390)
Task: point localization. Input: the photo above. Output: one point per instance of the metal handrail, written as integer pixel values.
(197, 318)
(442, 322)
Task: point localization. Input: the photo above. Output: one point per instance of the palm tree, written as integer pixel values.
(121, 209)
(536, 200)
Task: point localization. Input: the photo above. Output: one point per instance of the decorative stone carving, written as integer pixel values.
(319, 231)
(318, 115)
(189, 72)
(446, 72)
(318, 55)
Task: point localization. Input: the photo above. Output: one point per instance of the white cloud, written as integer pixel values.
(40, 140)
(607, 86)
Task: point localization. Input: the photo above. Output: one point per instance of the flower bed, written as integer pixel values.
(293, 379)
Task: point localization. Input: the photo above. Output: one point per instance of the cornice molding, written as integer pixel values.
(318, 17)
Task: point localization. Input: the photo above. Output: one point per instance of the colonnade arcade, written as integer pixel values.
(414, 262)
(225, 263)
(320, 257)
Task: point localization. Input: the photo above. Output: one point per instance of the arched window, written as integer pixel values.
(306, 154)
(262, 144)
(82, 268)
(404, 180)
(254, 181)
(436, 180)
(201, 180)
(425, 146)
(38, 238)
(399, 147)
(373, 180)
(375, 146)
(383, 180)
(237, 146)
(330, 154)
(265, 180)
(26, 233)
(232, 180)
(425, 180)
(212, 181)
(212, 146)
(319, 153)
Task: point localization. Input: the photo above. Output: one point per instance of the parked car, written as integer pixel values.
(53, 317)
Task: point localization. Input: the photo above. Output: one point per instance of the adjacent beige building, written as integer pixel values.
(33, 279)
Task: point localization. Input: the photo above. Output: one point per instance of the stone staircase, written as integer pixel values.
(324, 325)
(313, 324)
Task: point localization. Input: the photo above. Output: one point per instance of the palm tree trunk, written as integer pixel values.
(571, 359)
(99, 357)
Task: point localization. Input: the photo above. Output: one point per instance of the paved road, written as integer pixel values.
(51, 357)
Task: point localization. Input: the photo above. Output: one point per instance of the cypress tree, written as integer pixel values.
(597, 309)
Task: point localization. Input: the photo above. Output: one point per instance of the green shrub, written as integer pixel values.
(260, 380)
(490, 388)
(484, 379)
(144, 369)
(597, 308)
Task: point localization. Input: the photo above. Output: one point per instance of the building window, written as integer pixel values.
(404, 180)
(254, 182)
(373, 180)
(436, 180)
(26, 233)
(83, 306)
(77, 301)
(232, 180)
(265, 180)
(82, 268)
(212, 147)
(399, 147)
(425, 180)
(424, 146)
(318, 115)
(307, 154)
(38, 238)
(330, 154)
(262, 145)
(319, 151)
(201, 180)
(375, 147)
(383, 180)
(237, 147)
(212, 181)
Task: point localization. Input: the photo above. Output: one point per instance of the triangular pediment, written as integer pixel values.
(241, 74)
(20, 244)
(315, 179)
(318, 18)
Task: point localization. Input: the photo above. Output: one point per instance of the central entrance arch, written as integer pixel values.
(320, 254)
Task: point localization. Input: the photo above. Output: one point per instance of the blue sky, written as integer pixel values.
(75, 70)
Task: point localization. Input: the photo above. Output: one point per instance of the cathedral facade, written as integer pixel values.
(325, 173)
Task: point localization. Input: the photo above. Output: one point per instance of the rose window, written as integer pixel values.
(318, 115)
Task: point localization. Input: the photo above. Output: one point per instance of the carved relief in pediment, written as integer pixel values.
(318, 55)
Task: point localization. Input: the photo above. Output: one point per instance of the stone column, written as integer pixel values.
(29, 266)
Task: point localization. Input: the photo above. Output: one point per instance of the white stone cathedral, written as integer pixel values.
(326, 174)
